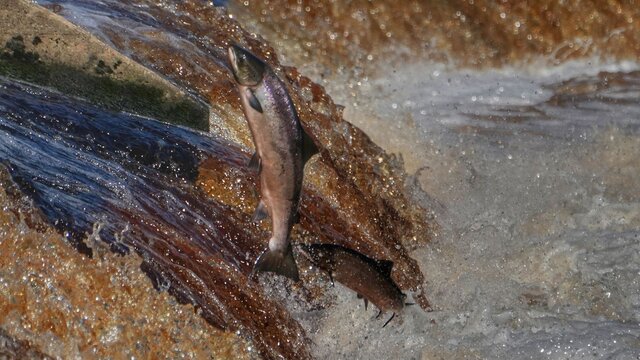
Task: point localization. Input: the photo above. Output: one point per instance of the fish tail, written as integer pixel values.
(279, 262)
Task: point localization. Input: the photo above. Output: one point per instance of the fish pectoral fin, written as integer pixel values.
(281, 263)
(388, 321)
(260, 213)
(253, 101)
(379, 313)
(255, 163)
(309, 148)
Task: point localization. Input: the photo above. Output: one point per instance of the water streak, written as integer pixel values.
(134, 177)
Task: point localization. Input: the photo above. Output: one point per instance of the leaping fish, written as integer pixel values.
(370, 279)
(282, 149)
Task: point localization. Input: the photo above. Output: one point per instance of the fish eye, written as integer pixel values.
(243, 59)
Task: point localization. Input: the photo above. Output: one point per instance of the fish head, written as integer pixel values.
(248, 69)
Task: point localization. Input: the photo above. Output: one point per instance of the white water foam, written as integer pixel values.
(541, 253)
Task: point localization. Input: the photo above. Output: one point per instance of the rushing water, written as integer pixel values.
(532, 173)
(129, 181)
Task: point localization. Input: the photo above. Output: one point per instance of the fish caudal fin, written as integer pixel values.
(278, 262)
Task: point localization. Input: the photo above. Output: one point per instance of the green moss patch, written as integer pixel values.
(98, 86)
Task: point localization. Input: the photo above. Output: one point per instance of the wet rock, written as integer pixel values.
(11, 348)
(43, 48)
(56, 303)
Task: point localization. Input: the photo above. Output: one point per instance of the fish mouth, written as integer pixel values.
(247, 68)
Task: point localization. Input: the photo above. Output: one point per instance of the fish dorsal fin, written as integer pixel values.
(260, 213)
(255, 163)
(385, 267)
(253, 101)
(309, 148)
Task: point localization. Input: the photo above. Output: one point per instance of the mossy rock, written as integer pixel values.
(40, 47)
(100, 88)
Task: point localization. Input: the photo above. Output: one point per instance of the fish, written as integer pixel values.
(282, 149)
(369, 278)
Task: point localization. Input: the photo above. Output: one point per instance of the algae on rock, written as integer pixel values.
(43, 48)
